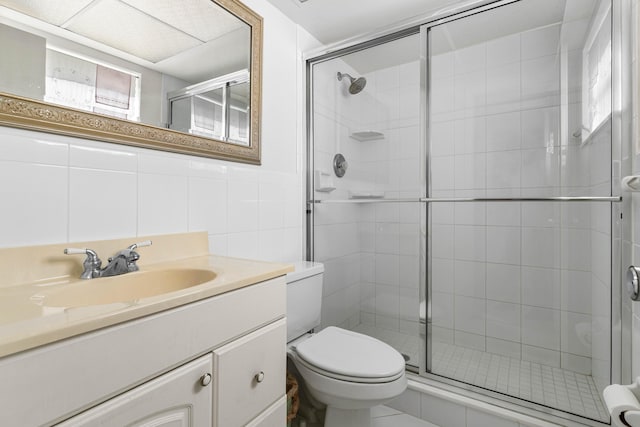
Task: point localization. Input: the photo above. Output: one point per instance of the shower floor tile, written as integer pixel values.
(553, 387)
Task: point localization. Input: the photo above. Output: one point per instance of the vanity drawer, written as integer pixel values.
(249, 375)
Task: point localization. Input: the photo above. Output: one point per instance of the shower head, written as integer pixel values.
(356, 85)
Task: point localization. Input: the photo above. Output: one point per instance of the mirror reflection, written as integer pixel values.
(178, 65)
(217, 108)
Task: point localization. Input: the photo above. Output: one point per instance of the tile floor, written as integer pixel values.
(554, 387)
(383, 416)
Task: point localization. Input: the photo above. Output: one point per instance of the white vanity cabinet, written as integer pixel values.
(179, 398)
(149, 371)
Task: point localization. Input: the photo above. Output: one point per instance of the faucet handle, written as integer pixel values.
(130, 255)
(91, 254)
(140, 244)
(91, 264)
(74, 251)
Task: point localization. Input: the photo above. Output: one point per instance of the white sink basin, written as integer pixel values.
(126, 287)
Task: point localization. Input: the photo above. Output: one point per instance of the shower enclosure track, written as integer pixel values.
(473, 199)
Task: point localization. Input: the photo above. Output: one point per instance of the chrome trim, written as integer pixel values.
(473, 199)
(525, 199)
(632, 282)
(309, 255)
(622, 154)
(357, 201)
(424, 288)
(375, 41)
(402, 28)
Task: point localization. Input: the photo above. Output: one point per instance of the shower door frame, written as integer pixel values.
(310, 201)
(621, 88)
(621, 137)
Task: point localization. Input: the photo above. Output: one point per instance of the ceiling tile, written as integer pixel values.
(53, 12)
(123, 27)
(203, 19)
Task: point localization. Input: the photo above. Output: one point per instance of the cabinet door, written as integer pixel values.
(250, 375)
(178, 398)
(274, 416)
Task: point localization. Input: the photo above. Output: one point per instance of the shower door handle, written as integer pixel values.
(633, 282)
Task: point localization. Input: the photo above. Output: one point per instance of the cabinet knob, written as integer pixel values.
(259, 377)
(205, 380)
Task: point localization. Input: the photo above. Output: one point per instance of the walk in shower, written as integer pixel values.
(460, 196)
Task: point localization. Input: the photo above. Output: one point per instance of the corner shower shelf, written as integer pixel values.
(367, 135)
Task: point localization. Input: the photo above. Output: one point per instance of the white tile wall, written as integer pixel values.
(36, 201)
(101, 197)
(503, 320)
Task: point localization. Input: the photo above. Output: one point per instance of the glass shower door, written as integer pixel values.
(366, 180)
(520, 203)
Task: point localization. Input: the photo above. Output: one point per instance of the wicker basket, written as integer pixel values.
(293, 400)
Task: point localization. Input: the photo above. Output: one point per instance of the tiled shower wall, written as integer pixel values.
(390, 233)
(370, 251)
(516, 278)
(336, 241)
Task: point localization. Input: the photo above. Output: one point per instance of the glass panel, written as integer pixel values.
(201, 114)
(207, 118)
(520, 291)
(218, 108)
(239, 104)
(369, 113)
(85, 84)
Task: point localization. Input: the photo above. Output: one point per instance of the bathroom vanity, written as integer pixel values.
(210, 354)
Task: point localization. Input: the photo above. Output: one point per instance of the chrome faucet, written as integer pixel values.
(91, 264)
(122, 262)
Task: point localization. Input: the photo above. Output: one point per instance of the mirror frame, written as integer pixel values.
(16, 111)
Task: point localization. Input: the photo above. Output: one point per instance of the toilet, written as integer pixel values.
(347, 371)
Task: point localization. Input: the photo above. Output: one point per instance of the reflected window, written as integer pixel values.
(88, 85)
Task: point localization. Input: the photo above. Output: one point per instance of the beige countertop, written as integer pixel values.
(26, 321)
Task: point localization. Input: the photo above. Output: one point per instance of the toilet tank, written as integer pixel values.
(304, 298)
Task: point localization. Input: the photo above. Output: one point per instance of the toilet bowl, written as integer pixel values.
(347, 371)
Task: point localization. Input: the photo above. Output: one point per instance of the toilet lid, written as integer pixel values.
(350, 354)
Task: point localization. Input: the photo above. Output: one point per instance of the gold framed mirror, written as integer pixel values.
(106, 70)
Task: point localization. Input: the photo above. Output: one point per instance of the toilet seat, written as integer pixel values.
(350, 356)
